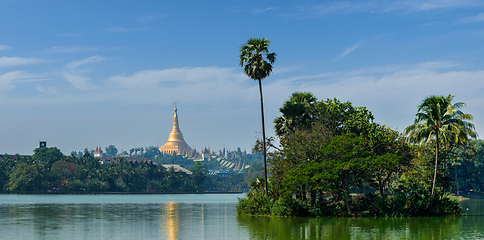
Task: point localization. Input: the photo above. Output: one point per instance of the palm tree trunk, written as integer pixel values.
(455, 180)
(435, 169)
(263, 137)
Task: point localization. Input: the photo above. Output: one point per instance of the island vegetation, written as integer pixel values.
(334, 160)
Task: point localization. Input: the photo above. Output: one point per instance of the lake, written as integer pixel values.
(205, 216)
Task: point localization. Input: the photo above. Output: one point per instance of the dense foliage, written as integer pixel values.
(333, 160)
(49, 170)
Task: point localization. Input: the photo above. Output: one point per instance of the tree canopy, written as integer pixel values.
(255, 58)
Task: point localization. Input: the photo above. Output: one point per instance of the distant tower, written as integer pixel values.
(206, 154)
(176, 143)
(98, 152)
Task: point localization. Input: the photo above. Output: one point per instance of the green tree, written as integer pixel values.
(46, 156)
(344, 161)
(111, 151)
(439, 121)
(6, 165)
(392, 155)
(64, 172)
(252, 58)
(468, 167)
(309, 126)
(342, 117)
(151, 152)
(297, 113)
(25, 177)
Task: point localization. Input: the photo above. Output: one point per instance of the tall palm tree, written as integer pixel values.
(439, 121)
(252, 58)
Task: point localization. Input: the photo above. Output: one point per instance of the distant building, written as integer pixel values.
(206, 154)
(98, 152)
(177, 168)
(132, 160)
(176, 144)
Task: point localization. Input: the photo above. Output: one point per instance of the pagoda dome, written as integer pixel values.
(176, 143)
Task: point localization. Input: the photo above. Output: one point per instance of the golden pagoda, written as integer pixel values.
(176, 143)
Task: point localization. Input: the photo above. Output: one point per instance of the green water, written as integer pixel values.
(205, 216)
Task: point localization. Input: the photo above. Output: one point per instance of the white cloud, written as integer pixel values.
(348, 51)
(92, 59)
(16, 61)
(149, 18)
(391, 92)
(340, 7)
(371, 6)
(6, 80)
(259, 11)
(46, 90)
(430, 24)
(4, 47)
(201, 84)
(416, 5)
(78, 82)
(9, 79)
(65, 49)
(478, 18)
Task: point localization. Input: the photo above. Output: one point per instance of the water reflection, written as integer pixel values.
(115, 218)
(163, 220)
(169, 223)
(353, 228)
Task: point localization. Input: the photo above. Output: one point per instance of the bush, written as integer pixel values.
(75, 185)
(256, 203)
(446, 206)
(97, 186)
(156, 186)
(290, 207)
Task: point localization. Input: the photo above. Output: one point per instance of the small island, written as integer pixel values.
(335, 161)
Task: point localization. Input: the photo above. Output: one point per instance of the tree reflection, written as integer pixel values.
(351, 228)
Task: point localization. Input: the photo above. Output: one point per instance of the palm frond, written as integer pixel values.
(438, 118)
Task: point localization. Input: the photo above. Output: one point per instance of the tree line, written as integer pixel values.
(49, 170)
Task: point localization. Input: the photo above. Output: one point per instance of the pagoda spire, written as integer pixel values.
(175, 142)
(176, 134)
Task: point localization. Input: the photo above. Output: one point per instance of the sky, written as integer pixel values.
(83, 74)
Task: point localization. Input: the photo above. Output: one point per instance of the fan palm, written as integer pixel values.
(439, 121)
(252, 58)
(296, 113)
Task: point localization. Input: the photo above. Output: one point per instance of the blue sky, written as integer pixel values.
(87, 73)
